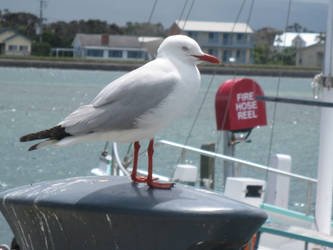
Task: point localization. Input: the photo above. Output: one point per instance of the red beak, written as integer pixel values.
(208, 58)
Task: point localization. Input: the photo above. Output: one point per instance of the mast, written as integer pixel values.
(41, 7)
(323, 212)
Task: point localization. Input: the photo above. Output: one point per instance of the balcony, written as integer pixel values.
(226, 43)
(214, 43)
(242, 44)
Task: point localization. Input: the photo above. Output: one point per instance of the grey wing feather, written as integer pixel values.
(119, 106)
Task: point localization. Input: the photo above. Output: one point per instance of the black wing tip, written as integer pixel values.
(56, 132)
(24, 138)
(33, 147)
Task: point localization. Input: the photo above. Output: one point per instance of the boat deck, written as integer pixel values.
(290, 230)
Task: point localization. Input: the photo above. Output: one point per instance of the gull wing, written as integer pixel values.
(122, 102)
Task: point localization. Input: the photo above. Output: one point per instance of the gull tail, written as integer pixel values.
(53, 135)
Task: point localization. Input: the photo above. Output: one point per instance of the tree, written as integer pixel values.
(144, 29)
(288, 56)
(61, 34)
(20, 21)
(263, 52)
(40, 48)
(296, 27)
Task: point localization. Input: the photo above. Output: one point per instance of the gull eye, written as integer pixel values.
(184, 48)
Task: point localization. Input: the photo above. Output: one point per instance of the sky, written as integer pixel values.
(311, 14)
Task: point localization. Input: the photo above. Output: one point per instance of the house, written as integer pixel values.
(119, 47)
(309, 47)
(230, 42)
(295, 39)
(14, 43)
(311, 56)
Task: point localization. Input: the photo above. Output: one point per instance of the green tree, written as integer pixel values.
(40, 49)
(23, 22)
(288, 56)
(263, 52)
(144, 29)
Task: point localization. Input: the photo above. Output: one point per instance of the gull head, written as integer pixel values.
(184, 49)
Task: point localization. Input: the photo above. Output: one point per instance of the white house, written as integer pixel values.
(119, 47)
(311, 56)
(294, 39)
(14, 43)
(231, 42)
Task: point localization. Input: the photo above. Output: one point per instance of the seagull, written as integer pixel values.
(137, 105)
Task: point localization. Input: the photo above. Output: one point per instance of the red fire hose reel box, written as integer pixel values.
(236, 106)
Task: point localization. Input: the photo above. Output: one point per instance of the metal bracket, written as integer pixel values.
(327, 82)
(322, 81)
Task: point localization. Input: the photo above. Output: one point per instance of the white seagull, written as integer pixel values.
(137, 105)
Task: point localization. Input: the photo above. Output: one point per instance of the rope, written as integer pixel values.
(152, 11)
(183, 10)
(141, 44)
(211, 81)
(188, 13)
(219, 137)
(197, 115)
(277, 94)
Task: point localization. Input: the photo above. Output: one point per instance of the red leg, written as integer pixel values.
(150, 180)
(134, 177)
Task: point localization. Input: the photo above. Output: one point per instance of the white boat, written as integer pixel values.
(285, 229)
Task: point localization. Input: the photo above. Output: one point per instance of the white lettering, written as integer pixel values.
(246, 106)
(245, 115)
(243, 97)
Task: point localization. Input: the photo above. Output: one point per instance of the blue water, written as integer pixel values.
(36, 99)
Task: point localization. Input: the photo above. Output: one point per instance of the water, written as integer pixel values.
(35, 99)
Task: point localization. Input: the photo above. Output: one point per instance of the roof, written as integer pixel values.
(120, 41)
(286, 39)
(214, 26)
(15, 35)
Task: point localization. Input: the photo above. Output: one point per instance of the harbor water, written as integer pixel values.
(35, 99)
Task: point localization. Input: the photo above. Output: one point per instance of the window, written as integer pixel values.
(227, 55)
(240, 37)
(12, 47)
(95, 52)
(116, 53)
(23, 48)
(213, 52)
(193, 34)
(240, 56)
(227, 39)
(134, 54)
(212, 36)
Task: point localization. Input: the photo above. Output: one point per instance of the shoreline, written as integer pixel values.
(128, 66)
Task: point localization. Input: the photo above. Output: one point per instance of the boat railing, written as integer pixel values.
(310, 181)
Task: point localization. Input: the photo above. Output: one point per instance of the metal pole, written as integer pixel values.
(236, 160)
(207, 167)
(228, 149)
(41, 6)
(323, 211)
(308, 198)
(113, 161)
